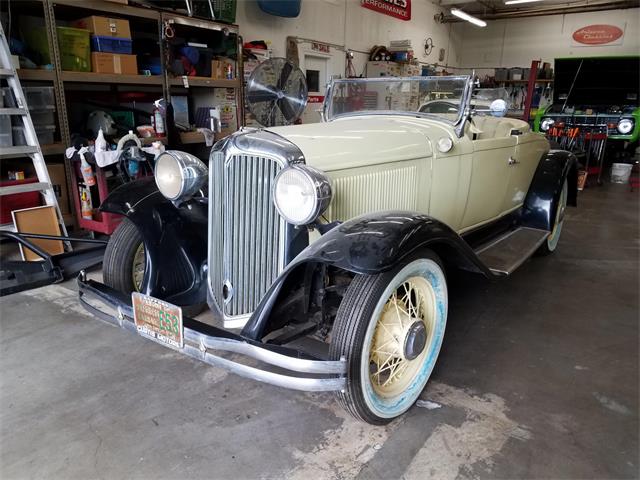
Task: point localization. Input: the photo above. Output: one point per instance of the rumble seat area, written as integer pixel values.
(486, 127)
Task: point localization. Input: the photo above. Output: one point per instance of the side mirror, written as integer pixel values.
(498, 108)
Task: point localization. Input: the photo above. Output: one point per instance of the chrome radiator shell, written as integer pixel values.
(246, 234)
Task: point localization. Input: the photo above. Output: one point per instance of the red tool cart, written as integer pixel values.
(101, 222)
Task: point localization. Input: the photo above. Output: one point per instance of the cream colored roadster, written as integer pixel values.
(322, 249)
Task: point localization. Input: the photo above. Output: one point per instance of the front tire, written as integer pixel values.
(124, 259)
(390, 328)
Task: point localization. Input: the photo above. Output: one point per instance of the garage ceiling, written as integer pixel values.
(497, 9)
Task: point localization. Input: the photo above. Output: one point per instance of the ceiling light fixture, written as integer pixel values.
(468, 18)
(515, 2)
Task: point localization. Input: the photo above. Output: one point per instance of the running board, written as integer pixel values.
(506, 253)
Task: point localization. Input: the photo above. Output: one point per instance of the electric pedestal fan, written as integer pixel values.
(276, 92)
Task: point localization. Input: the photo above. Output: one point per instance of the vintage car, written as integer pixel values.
(322, 249)
(584, 97)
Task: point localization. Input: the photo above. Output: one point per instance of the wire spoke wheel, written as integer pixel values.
(138, 267)
(408, 316)
(390, 328)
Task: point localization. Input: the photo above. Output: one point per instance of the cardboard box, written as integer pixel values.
(108, 27)
(219, 69)
(114, 63)
(43, 220)
(383, 69)
(59, 183)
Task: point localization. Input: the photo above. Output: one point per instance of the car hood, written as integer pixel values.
(364, 140)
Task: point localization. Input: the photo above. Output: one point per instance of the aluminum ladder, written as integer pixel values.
(32, 149)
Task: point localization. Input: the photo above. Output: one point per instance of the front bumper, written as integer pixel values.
(201, 340)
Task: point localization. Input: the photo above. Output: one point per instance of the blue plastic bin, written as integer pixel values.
(110, 44)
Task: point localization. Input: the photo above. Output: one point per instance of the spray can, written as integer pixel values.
(87, 171)
(86, 207)
(157, 121)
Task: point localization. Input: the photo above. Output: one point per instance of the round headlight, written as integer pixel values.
(625, 126)
(179, 175)
(301, 194)
(445, 144)
(546, 124)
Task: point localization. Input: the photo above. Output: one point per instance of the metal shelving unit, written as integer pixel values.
(37, 75)
(111, 78)
(205, 82)
(62, 80)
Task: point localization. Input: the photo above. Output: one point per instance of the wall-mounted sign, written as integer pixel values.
(395, 8)
(592, 35)
(320, 47)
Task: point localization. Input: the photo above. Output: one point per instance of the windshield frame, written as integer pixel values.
(463, 110)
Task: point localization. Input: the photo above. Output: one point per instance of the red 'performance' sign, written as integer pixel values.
(394, 8)
(597, 34)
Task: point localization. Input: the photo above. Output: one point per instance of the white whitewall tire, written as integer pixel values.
(551, 243)
(390, 328)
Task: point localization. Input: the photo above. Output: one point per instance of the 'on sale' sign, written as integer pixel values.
(395, 8)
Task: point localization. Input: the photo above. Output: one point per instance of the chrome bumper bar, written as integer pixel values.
(200, 340)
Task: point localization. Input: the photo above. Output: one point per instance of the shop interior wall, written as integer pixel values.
(347, 23)
(515, 42)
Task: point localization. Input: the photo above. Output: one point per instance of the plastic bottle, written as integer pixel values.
(87, 172)
(156, 119)
(100, 143)
(86, 205)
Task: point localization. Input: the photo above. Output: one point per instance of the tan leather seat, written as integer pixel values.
(487, 127)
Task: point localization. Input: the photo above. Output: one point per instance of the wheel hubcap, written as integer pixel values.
(415, 340)
(402, 333)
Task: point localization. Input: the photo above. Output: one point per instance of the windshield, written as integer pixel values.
(438, 97)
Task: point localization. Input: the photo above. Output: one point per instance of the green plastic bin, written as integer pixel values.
(75, 49)
(224, 10)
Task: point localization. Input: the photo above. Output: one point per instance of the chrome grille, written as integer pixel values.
(246, 232)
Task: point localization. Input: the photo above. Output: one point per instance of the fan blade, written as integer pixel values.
(287, 109)
(261, 93)
(284, 75)
(264, 113)
(291, 107)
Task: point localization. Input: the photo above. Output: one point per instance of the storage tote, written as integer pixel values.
(75, 51)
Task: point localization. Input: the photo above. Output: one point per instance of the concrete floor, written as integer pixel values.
(538, 378)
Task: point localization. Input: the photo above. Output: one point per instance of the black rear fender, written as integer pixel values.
(175, 240)
(540, 205)
(369, 244)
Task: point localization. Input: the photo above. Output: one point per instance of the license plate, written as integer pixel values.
(158, 320)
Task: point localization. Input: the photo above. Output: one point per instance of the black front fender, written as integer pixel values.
(175, 240)
(370, 244)
(539, 209)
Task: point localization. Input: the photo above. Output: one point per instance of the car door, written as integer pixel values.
(529, 149)
(490, 172)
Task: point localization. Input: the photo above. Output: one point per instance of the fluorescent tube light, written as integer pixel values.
(468, 18)
(515, 2)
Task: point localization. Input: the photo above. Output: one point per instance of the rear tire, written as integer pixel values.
(120, 255)
(390, 328)
(551, 243)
